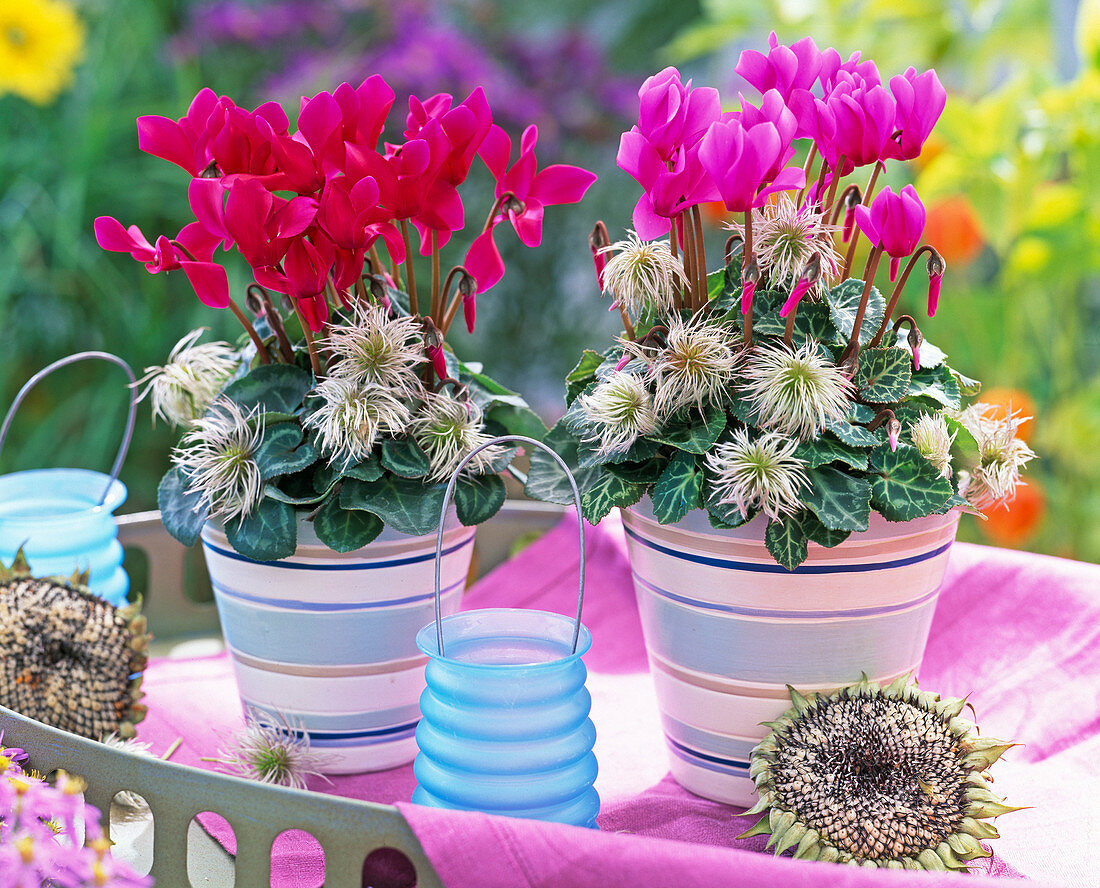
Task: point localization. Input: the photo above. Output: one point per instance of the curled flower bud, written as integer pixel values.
(749, 277)
(811, 273)
(936, 268)
(467, 288)
(915, 337)
(893, 426)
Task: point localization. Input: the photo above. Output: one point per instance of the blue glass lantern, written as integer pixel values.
(63, 519)
(504, 723)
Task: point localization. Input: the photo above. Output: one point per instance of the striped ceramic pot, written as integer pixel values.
(329, 639)
(727, 629)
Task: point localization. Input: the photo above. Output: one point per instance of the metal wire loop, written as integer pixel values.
(64, 362)
(506, 439)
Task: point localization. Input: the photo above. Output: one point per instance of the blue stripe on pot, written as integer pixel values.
(795, 651)
(757, 567)
(365, 738)
(784, 614)
(737, 749)
(291, 564)
(718, 763)
(324, 637)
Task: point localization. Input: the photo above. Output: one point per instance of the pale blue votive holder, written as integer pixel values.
(504, 725)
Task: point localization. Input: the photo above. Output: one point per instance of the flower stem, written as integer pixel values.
(868, 284)
(376, 266)
(414, 306)
(314, 357)
(261, 349)
(849, 189)
(746, 261)
(435, 274)
(683, 221)
(836, 181)
(868, 193)
(811, 156)
(628, 327)
(275, 321)
(700, 258)
(444, 323)
(788, 331)
(674, 248)
(896, 295)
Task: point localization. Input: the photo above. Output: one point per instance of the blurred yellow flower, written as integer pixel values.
(1088, 31)
(40, 43)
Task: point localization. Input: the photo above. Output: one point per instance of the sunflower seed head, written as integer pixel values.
(876, 777)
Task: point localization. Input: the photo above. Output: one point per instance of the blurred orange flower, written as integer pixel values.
(715, 212)
(954, 229)
(1011, 400)
(1011, 524)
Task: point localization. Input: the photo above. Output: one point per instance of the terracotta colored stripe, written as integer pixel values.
(328, 671)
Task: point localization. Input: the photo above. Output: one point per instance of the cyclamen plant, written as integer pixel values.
(781, 385)
(353, 409)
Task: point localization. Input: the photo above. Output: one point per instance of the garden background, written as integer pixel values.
(1011, 180)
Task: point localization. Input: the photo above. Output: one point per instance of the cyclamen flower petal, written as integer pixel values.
(673, 115)
(209, 281)
(800, 290)
(920, 100)
(439, 361)
(784, 68)
(934, 281)
(469, 310)
(483, 261)
(747, 290)
(894, 222)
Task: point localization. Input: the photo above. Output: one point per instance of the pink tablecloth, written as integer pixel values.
(1016, 631)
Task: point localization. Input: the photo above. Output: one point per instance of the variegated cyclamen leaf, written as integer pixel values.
(345, 530)
(844, 301)
(545, 479)
(405, 504)
(181, 510)
(581, 375)
(280, 388)
(825, 449)
(689, 431)
(268, 533)
(678, 490)
(852, 434)
(936, 383)
(904, 485)
(786, 539)
(812, 320)
(606, 493)
(281, 451)
(479, 498)
(884, 374)
(840, 501)
(404, 457)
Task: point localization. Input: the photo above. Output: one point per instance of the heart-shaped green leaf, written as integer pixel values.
(280, 388)
(678, 490)
(884, 374)
(844, 301)
(545, 479)
(840, 501)
(690, 432)
(479, 498)
(407, 505)
(269, 533)
(181, 510)
(905, 485)
(936, 383)
(404, 457)
(826, 449)
(607, 492)
(281, 451)
(786, 539)
(345, 530)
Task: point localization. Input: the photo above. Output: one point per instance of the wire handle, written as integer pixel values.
(64, 362)
(521, 439)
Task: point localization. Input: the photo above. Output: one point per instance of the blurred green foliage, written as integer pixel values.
(1020, 143)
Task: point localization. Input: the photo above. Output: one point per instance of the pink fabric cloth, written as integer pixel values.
(1016, 631)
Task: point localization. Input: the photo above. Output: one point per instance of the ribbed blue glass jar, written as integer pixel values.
(504, 718)
(57, 518)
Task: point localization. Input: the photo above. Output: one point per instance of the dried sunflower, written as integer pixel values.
(878, 777)
(67, 657)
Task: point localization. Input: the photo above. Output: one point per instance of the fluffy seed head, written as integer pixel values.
(620, 410)
(218, 458)
(1001, 455)
(785, 236)
(376, 349)
(181, 390)
(795, 392)
(642, 275)
(353, 416)
(762, 474)
(933, 439)
(887, 777)
(448, 429)
(695, 366)
(272, 749)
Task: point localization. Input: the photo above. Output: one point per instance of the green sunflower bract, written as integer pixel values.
(879, 777)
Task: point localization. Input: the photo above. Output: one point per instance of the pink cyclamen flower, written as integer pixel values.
(439, 361)
(833, 69)
(773, 110)
(894, 222)
(465, 125)
(864, 113)
(920, 100)
(669, 187)
(784, 68)
(739, 160)
(184, 142)
(672, 114)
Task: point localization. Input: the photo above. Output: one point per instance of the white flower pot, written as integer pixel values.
(329, 639)
(727, 629)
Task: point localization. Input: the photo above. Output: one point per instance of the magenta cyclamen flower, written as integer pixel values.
(740, 158)
(784, 68)
(894, 222)
(673, 115)
(920, 100)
